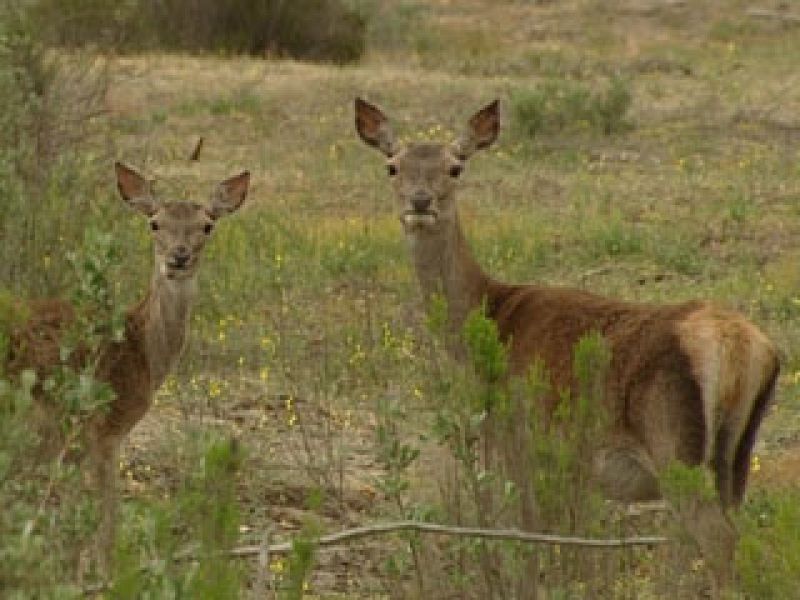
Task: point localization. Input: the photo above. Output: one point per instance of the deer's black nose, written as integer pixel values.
(180, 257)
(421, 201)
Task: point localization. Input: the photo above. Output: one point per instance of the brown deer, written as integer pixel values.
(687, 382)
(155, 329)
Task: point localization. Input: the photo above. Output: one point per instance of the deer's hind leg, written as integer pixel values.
(625, 472)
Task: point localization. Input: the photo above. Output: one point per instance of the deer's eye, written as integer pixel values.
(455, 170)
(207, 228)
(154, 225)
(392, 170)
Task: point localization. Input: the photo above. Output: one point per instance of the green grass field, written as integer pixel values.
(308, 332)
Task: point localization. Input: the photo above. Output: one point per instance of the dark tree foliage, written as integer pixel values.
(320, 30)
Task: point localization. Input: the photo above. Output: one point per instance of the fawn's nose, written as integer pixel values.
(181, 256)
(421, 201)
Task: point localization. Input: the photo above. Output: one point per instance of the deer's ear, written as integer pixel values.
(374, 128)
(229, 195)
(482, 130)
(136, 190)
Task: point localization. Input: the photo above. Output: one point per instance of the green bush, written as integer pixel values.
(325, 30)
(46, 186)
(611, 105)
(205, 510)
(47, 516)
(510, 465)
(560, 105)
(768, 556)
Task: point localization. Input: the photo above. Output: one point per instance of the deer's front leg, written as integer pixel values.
(104, 458)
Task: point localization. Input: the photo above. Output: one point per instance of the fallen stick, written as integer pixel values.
(263, 550)
(476, 532)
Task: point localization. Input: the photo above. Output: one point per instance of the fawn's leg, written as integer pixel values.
(104, 456)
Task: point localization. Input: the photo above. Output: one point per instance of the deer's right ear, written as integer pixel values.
(136, 190)
(374, 128)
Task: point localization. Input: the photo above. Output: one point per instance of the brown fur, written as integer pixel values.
(654, 391)
(155, 333)
(687, 382)
(36, 345)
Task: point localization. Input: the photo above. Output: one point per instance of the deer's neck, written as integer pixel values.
(445, 267)
(163, 317)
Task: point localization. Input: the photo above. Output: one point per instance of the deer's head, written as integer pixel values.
(424, 175)
(179, 229)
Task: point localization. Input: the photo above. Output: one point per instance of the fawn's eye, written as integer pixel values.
(392, 170)
(154, 225)
(455, 170)
(207, 228)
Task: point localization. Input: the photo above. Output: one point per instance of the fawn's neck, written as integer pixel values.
(164, 317)
(445, 267)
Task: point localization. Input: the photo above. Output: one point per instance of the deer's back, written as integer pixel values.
(678, 372)
(545, 323)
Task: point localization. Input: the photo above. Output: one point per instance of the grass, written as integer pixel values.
(308, 319)
(317, 263)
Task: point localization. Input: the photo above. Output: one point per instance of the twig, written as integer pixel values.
(642, 508)
(261, 550)
(490, 534)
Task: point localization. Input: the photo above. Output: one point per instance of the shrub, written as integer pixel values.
(325, 30)
(47, 517)
(205, 509)
(509, 466)
(558, 105)
(48, 102)
(78, 22)
(610, 105)
(768, 557)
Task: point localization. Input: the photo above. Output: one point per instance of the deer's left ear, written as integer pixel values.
(229, 195)
(482, 130)
(136, 190)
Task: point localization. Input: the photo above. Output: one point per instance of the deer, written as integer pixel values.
(155, 332)
(688, 382)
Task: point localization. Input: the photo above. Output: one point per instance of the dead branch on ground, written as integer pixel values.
(263, 550)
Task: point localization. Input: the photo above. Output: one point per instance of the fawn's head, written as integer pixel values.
(424, 174)
(180, 229)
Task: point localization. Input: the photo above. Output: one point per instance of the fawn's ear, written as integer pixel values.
(482, 130)
(374, 128)
(136, 190)
(229, 195)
